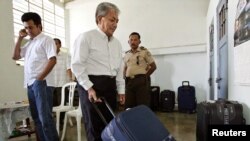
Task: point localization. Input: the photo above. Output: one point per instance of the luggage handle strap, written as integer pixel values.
(100, 113)
(183, 82)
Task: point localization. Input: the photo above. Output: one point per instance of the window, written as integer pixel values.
(222, 21)
(52, 17)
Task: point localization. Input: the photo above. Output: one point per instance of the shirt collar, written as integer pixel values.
(137, 50)
(103, 35)
(38, 36)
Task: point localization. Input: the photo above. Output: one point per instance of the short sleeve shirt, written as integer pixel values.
(137, 62)
(36, 53)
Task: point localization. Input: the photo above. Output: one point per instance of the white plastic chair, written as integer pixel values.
(63, 107)
(77, 113)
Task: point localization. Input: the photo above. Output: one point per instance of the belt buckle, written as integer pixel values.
(132, 77)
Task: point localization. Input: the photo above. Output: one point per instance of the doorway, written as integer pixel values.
(222, 61)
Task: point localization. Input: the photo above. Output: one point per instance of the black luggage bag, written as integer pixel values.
(186, 98)
(218, 112)
(167, 101)
(154, 97)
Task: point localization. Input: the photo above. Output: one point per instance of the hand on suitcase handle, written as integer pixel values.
(92, 95)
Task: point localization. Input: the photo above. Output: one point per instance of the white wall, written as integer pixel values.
(236, 91)
(174, 31)
(164, 23)
(11, 75)
(173, 69)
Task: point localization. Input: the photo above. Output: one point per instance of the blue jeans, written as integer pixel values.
(41, 111)
(50, 92)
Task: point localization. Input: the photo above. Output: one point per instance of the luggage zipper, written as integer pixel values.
(226, 115)
(123, 128)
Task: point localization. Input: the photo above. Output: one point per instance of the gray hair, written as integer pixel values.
(103, 8)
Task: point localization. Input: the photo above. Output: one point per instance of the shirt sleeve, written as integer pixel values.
(68, 58)
(23, 50)
(50, 48)
(149, 58)
(79, 61)
(120, 82)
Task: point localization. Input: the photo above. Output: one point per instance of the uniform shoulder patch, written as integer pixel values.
(143, 48)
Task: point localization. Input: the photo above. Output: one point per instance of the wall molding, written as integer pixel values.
(179, 49)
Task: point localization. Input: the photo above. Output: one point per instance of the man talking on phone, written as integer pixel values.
(39, 59)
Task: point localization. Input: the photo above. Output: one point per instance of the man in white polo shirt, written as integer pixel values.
(39, 59)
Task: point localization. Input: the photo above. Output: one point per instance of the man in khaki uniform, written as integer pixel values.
(139, 65)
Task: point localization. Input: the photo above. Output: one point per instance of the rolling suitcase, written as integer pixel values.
(217, 113)
(136, 124)
(186, 98)
(167, 101)
(154, 98)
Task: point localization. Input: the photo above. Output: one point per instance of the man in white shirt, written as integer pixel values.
(97, 65)
(62, 72)
(62, 75)
(39, 59)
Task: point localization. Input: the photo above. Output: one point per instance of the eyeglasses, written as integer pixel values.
(137, 60)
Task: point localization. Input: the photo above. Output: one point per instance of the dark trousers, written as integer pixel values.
(57, 95)
(137, 91)
(104, 86)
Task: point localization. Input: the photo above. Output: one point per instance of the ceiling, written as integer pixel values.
(66, 1)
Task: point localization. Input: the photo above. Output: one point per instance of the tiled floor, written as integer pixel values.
(181, 126)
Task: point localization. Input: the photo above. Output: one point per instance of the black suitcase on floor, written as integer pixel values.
(217, 113)
(186, 98)
(154, 97)
(167, 101)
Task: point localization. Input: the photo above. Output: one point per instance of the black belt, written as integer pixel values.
(102, 76)
(136, 76)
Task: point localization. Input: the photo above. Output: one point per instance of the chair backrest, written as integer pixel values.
(71, 86)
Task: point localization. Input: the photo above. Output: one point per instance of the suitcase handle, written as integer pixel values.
(100, 113)
(224, 101)
(183, 82)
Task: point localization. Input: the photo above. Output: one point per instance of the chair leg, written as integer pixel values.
(70, 122)
(64, 126)
(58, 122)
(78, 122)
